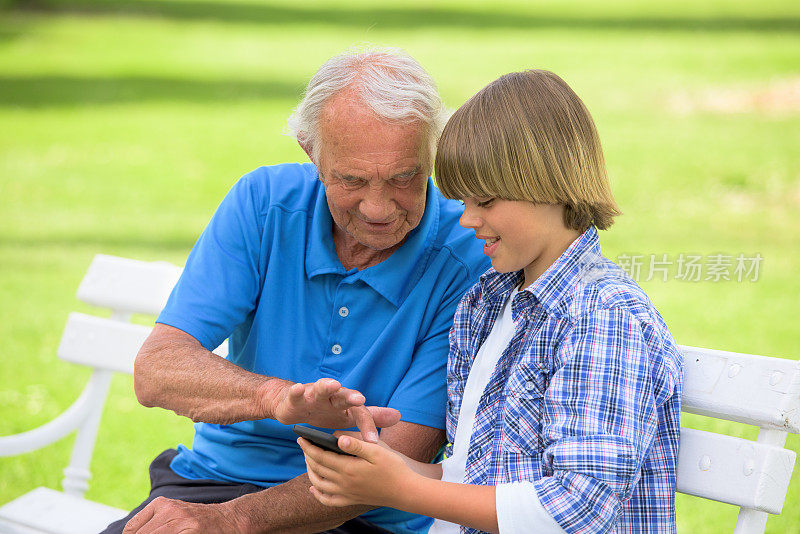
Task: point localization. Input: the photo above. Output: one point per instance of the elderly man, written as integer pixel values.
(344, 272)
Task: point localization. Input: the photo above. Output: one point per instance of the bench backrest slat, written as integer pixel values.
(745, 388)
(106, 343)
(101, 343)
(734, 470)
(128, 286)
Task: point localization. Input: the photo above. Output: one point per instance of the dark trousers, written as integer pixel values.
(164, 482)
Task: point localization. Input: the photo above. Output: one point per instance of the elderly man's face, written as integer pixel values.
(375, 175)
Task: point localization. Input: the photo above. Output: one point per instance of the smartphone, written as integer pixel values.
(321, 439)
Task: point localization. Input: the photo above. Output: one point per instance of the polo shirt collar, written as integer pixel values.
(321, 255)
(394, 277)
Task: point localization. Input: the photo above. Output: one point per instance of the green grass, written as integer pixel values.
(122, 125)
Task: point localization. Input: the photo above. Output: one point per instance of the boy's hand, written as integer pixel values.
(376, 477)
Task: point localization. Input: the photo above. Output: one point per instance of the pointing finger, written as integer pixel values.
(365, 423)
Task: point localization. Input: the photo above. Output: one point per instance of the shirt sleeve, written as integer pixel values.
(599, 421)
(220, 284)
(519, 510)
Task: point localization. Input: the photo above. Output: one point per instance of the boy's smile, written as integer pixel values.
(491, 244)
(518, 235)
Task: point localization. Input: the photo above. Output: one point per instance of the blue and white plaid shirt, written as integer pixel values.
(585, 400)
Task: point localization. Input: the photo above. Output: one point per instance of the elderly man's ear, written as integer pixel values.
(306, 146)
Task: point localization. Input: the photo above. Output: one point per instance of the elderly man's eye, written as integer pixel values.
(403, 181)
(352, 182)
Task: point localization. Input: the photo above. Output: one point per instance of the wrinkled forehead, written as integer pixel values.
(391, 153)
(348, 125)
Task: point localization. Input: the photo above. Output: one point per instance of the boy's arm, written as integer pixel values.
(382, 477)
(462, 504)
(599, 420)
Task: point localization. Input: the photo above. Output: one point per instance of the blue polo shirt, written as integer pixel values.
(265, 275)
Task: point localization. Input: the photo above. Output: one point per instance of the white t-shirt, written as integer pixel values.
(518, 506)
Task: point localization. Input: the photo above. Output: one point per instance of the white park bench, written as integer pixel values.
(754, 390)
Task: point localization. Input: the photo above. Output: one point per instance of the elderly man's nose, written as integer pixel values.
(376, 206)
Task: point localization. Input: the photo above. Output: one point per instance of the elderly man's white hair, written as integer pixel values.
(389, 81)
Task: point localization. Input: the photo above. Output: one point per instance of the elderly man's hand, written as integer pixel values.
(325, 403)
(168, 515)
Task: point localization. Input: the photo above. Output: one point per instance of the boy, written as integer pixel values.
(564, 383)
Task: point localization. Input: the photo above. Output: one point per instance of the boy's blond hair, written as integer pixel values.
(527, 136)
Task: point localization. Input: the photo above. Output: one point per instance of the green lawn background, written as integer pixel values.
(122, 125)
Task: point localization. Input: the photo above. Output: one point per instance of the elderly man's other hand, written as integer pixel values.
(168, 515)
(325, 403)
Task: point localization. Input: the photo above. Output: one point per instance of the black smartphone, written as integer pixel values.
(321, 439)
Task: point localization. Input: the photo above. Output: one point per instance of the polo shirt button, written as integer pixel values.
(530, 386)
(343, 311)
(336, 349)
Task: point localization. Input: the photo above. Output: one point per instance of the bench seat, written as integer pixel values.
(48, 510)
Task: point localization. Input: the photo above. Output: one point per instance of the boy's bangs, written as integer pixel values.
(458, 177)
(466, 163)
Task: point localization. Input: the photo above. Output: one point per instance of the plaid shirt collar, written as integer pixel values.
(550, 289)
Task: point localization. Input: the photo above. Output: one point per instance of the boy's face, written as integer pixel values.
(518, 235)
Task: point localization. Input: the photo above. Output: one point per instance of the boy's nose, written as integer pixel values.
(468, 220)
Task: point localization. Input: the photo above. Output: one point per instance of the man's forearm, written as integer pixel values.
(173, 371)
(289, 508)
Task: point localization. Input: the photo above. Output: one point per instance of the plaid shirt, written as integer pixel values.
(585, 400)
